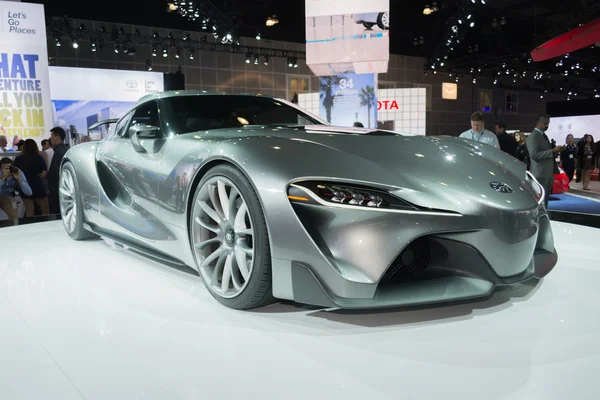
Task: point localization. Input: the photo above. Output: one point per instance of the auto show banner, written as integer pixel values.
(400, 110)
(347, 99)
(349, 36)
(25, 109)
(577, 126)
(82, 97)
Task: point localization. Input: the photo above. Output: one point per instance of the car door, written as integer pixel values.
(128, 163)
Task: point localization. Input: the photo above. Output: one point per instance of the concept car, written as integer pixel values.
(268, 202)
(369, 20)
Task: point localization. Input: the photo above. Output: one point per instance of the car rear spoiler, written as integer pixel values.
(105, 122)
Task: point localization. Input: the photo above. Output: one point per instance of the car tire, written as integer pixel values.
(257, 288)
(383, 20)
(368, 26)
(71, 209)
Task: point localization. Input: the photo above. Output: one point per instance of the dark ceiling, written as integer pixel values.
(488, 45)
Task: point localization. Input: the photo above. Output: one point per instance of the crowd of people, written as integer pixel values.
(32, 176)
(541, 155)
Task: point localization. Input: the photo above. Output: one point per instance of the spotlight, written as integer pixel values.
(272, 21)
(57, 42)
(149, 65)
(165, 53)
(93, 46)
(474, 80)
(290, 63)
(258, 36)
(117, 48)
(178, 53)
(191, 54)
(82, 27)
(472, 24)
(154, 51)
(155, 35)
(266, 60)
(427, 10)
(256, 59)
(248, 56)
(75, 44)
(186, 37)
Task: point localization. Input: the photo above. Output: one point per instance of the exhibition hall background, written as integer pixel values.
(229, 72)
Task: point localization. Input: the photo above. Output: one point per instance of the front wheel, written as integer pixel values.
(230, 241)
(71, 209)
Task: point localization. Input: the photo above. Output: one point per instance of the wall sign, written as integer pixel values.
(25, 109)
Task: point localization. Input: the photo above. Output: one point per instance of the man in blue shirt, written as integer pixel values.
(11, 179)
(478, 132)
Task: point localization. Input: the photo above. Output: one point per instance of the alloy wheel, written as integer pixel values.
(68, 200)
(223, 237)
(385, 19)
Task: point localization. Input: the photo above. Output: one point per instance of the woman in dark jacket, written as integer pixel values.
(568, 157)
(522, 152)
(33, 166)
(587, 159)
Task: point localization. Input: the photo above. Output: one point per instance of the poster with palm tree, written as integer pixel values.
(348, 99)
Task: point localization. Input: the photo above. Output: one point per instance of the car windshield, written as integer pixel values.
(206, 112)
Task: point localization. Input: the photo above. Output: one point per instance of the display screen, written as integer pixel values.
(578, 126)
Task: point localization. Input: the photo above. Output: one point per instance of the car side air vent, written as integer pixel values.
(410, 263)
(110, 184)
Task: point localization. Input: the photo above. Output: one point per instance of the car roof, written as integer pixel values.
(184, 93)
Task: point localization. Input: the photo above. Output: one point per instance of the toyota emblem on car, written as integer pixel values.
(501, 187)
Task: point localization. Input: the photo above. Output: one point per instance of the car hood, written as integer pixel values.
(436, 172)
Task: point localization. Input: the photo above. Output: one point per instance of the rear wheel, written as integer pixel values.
(71, 209)
(383, 20)
(230, 241)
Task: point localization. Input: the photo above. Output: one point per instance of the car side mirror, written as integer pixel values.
(141, 131)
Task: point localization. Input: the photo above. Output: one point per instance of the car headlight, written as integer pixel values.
(327, 193)
(537, 189)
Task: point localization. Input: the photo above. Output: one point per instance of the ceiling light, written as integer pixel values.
(427, 11)
(272, 20)
(172, 7)
(472, 24)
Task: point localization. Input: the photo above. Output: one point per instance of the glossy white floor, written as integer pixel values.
(81, 320)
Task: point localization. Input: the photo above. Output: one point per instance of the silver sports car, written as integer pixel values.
(268, 202)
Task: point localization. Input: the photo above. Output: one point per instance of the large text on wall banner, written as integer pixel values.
(25, 107)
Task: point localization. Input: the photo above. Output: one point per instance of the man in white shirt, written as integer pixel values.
(478, 132)
(47, 152)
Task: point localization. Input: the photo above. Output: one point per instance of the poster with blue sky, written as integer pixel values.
(348, 99)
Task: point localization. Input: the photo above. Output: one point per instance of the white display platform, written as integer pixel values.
(81, 320)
